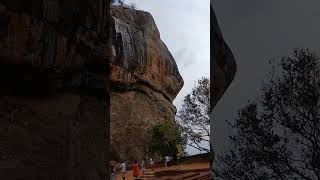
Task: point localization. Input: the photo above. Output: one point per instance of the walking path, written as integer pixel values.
(191, 171)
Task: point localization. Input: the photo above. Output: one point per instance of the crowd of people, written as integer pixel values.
(138, 169)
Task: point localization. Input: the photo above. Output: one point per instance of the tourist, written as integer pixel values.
(123, 169)
(166, 160)
(112, 171)
(142, 166)
(151, 164)
(151, 161)
(135, 169)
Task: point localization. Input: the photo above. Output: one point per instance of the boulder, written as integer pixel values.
(144, 82)
(223, 65)
(222, 69)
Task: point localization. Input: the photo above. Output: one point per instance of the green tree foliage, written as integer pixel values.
(165, 137)
(278, 137)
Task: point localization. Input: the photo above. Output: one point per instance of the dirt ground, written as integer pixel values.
(189, 166)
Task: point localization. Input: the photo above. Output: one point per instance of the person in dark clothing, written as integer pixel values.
(112, 172)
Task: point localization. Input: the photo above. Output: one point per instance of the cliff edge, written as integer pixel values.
(144, 79)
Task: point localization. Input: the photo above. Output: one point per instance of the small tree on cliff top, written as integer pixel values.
(118, 2)
(193, 117)
(123, 4)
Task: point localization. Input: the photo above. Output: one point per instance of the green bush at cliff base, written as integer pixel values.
(165, 138)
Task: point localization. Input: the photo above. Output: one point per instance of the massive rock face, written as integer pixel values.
(223, 66)
(144, 80)
(53, 66)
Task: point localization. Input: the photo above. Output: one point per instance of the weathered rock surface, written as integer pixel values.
(144, 80)
(53, 66)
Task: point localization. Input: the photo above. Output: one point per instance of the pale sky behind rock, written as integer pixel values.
(256, 31)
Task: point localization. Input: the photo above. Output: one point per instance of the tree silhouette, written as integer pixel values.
(278, 137)
(193, 117)
(118, 2)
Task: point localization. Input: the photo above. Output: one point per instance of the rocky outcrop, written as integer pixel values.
(144, 80)
(223, 65)
(53, 66)
(222, 68)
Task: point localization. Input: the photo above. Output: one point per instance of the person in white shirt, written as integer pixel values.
(166, 160)
(142, 166)
(151, 161)
(123, 169)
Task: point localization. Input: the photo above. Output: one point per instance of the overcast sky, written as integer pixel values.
(184, 27)
(257, 31)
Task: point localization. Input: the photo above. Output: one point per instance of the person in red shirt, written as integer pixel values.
(136, 170)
